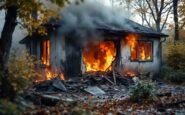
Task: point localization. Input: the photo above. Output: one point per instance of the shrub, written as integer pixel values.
(9, 108)
(17, 107)
(175, 55)
(174, 68)
(22, 70)
(172, 75)
(142, 89)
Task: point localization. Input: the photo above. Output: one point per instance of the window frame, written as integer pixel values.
(137, 51)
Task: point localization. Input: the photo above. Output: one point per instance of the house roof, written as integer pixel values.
(130, 27)
(127, 26)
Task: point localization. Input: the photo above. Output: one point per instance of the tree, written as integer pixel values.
(181, 15)
(19, 10)
(156, 11)
(127, 3)
(141, 8)
(175, 13)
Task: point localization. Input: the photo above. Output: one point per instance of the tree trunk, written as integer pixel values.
(158, 22)
(5, 45)
(175, 13)
(158, 26)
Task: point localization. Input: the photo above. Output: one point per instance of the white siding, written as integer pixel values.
(57, 53)
(153, 66)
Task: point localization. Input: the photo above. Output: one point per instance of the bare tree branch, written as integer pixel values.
(167, 15)
(151, 9)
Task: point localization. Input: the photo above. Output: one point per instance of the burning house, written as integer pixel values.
(90, 38)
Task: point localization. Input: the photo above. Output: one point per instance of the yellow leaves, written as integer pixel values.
(177, 46)
(175, 54)
(34, 13)
(22, 70)
(42, 16)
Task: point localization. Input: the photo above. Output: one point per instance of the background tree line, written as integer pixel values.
(158, 14)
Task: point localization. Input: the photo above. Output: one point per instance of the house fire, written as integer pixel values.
(87, 40)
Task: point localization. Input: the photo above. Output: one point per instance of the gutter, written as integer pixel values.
(162, 41)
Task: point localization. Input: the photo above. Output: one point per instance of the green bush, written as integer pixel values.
(175, 55)
(172, 75)
(9, 108)
(142, 89)
(174, 68)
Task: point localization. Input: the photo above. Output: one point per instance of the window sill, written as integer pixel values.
(141, 60)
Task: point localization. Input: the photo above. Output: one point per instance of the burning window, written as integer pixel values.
(140, 50)
(144, 51)
(45, 52)
(99, 56)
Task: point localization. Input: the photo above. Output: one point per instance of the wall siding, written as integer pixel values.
(153, 66)
(57, 53)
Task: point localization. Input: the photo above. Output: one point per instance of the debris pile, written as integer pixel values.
(100, 86)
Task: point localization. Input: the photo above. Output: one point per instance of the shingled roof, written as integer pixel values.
(134, 28)
(130, 27)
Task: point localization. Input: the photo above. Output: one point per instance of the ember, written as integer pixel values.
(131, 73)
(99, 57)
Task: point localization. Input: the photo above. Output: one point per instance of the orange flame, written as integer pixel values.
(139, 50)
(99, 57)
(62, 76)
(50, 75)
(142, 55)
(45, 52)
(131, 73)
(149, 51)
(132, 41)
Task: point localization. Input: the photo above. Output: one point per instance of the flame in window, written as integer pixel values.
(132, 41)
(45, 52)
(140, 50)
(149, 51)
(99, 57)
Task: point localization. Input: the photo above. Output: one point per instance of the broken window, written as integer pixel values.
(45, 52)
(142, 51)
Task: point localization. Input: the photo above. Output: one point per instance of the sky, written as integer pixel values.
(105, 2)
(18, 33)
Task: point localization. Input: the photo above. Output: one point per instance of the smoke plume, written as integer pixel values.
(82, 20)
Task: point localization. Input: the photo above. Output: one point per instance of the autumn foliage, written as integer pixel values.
(21, 70)
(174, 68)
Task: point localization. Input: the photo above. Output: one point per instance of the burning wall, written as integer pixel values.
(51, 53)
(140, 54)
(137, 54)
